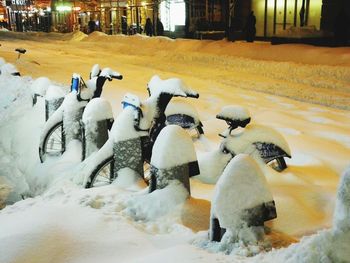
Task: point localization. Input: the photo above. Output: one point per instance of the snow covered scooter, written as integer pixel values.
(134, 132)
(64, 124)
(242, 137)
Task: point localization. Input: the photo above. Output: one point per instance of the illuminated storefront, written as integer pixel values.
(27, 15)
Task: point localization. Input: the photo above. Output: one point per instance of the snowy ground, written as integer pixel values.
(302, 91)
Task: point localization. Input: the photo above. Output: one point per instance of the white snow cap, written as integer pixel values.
(172, 86)
(241, 186)
(8, 69)
(54, 92)
(40, 86)
(97, 109)
(243, 142)
(95, 70)
(182, 107)
(234, 112)
(109, 73)
(173, 147)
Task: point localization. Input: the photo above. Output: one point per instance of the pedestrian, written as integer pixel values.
(160, 27)
(92, 26)
(149, 27)
(250, 29)
(341, 29)
(124, 26)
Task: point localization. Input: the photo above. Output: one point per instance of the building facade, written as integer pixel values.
(180, 18)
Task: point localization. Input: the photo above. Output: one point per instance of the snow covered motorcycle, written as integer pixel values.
(260, 141)
(134, 132)
(64, 124)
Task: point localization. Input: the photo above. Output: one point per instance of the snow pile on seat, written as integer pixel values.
(173, 86)
(8, 69)
(165, 147)
(182, 107)
(237, 142)
(97, 109)
(40, 86)
(234, 112)
(55, 92)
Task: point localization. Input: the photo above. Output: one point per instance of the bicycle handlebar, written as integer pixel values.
(120, 77)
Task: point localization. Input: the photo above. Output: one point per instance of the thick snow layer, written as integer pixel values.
(8, 69)
(40, 86)
(95, 225)
(182, 107)
(123, 126)
(242, 140)
(173, 86)
(211, 165)
(95, 71)
(97, 109)
(241, 186)
(234, 112)
(55, 92)
(173, 147)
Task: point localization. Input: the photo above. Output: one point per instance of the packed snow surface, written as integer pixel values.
(301, 91)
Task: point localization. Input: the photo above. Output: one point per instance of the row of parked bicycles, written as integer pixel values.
(137, 127)
(153, 138)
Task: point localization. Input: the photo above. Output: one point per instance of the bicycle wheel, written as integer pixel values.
(53, 143)
(102, 175)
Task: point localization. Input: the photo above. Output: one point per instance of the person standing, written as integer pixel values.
(92, 26)
(149, 27)
(250, 29)
(160, 27)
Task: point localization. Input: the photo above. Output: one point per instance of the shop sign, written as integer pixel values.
(16, 2)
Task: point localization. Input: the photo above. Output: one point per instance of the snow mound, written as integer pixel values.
(242, 186)
(54, 92)
(97, 109)
(212, 165)
(171, 141)
(234, 112)
(158, 203)
(40, 86)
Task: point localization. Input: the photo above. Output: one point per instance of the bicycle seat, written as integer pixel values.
(235, 116)
(21, 50)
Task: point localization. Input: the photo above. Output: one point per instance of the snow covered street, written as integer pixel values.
(301, 91)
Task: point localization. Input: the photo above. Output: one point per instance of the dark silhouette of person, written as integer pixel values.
(250, 29)
(302, 16)
(92, 26)
(341, 29)
(160, 28)
(149, 27)
(124, 26)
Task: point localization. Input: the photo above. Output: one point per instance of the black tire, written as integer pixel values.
(102, 174)
(53, 143)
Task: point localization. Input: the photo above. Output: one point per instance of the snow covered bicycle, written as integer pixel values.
(262, 142)
(134, 132)
(64, 124)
